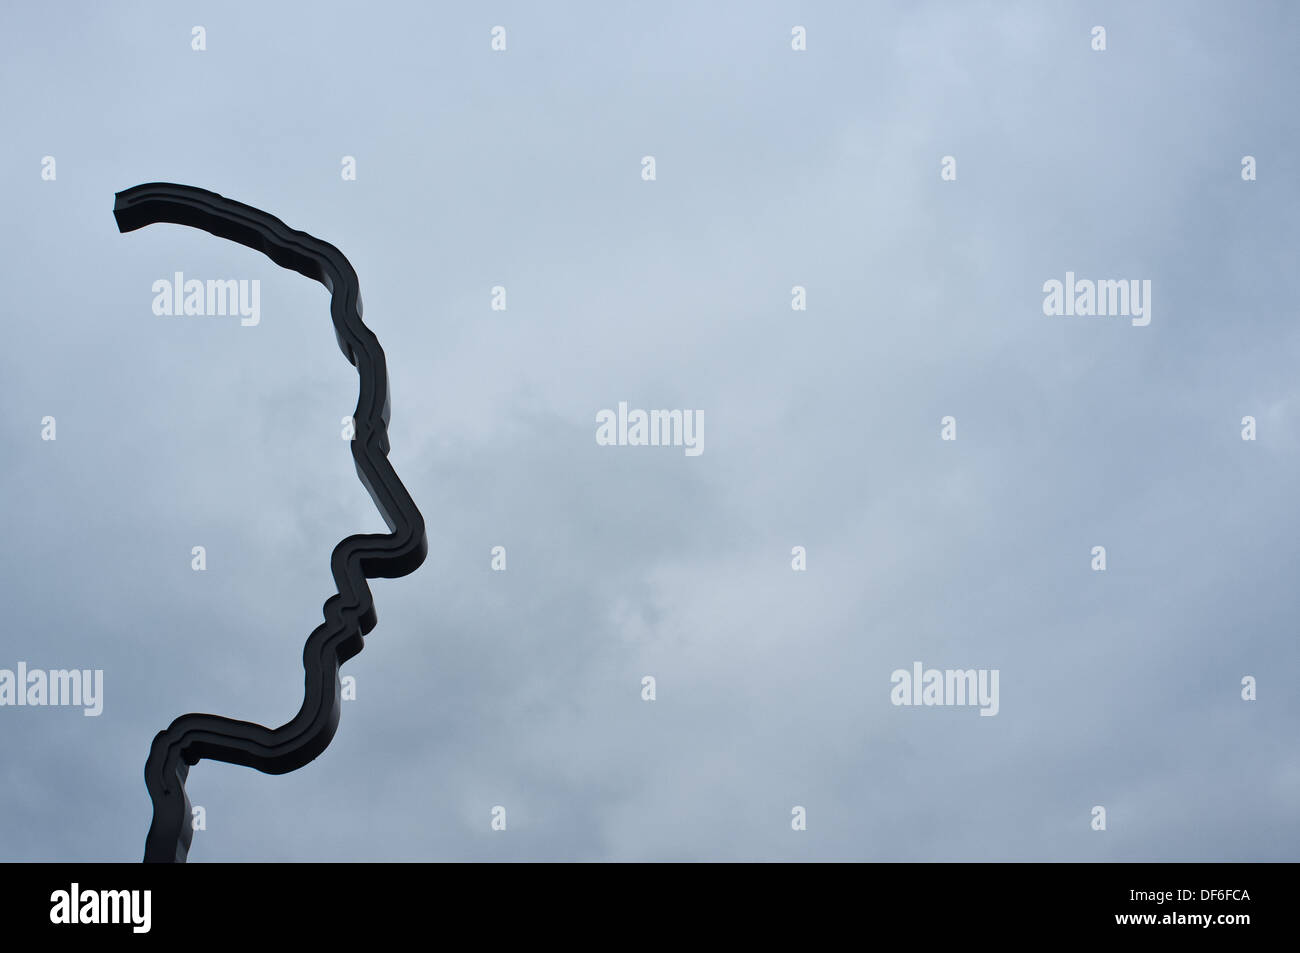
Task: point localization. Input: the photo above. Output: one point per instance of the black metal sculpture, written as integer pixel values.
(349, 613)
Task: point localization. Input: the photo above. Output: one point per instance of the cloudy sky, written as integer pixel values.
(774, 168)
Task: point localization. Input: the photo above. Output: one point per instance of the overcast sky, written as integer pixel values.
(774, 168)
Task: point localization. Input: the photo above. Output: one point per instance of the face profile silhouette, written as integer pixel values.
(350, 612)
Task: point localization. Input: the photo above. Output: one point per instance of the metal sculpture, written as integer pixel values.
(350, 612)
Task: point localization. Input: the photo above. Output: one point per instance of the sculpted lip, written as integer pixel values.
(350, 612)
